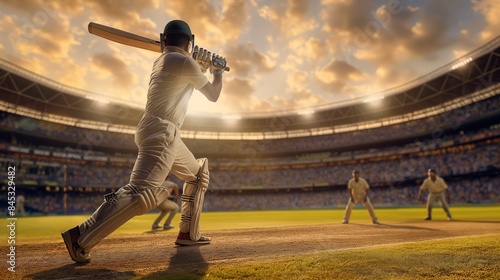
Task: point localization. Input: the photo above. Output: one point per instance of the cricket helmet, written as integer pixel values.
(179, 27)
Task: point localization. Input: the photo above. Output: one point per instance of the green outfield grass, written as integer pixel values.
(454, 258)
(48, 228)
(458, 258)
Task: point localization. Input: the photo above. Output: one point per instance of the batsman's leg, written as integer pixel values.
(196, 176)
(142, 194)
(192, 203)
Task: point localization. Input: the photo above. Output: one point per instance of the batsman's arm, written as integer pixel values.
(212, 89)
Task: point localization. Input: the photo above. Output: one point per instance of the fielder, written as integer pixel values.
(437, 188)
(174, 76)
(358, 192)
(168, 206)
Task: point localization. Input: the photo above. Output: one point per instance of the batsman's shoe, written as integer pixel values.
(76, 252)
(376, 222)
(345, 221)
(427, 218)
(184, 240)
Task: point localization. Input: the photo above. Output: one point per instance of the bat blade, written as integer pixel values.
(124, 37)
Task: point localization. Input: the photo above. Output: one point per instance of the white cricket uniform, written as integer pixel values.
(161, 150)
(358, 190)
(20, 200)
(436, 190)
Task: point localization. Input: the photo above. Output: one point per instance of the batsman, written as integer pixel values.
(174, 76)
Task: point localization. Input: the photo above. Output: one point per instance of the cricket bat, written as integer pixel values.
(126, 38)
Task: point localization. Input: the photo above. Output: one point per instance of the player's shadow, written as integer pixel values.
(78, 271)
(158, 231)
(391, 226)
(187, 262)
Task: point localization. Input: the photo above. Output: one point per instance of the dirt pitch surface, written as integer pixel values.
(156, 255)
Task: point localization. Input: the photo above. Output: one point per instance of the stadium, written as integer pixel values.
(69, 150)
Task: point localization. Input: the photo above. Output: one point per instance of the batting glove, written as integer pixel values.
(218, 65)
(202, 57)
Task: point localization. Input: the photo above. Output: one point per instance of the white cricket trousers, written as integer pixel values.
(368, 205)
(161, 150)
(166, 207)
(435, 197)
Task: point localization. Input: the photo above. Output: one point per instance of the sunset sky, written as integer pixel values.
(284, 55)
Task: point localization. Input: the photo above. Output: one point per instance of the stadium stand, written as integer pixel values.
(66, 157)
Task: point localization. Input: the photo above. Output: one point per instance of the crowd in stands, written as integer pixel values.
(279, 180)
(481, 158)
(432, 126)
(96, 139)
(457, 160)
(464, 191)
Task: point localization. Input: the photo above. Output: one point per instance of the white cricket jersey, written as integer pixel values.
(359, 187)
(436, 186)
(175, 74)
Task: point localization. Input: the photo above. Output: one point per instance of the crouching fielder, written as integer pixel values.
(358, 192)
(161, 150)
(168, 207)
(437, 189)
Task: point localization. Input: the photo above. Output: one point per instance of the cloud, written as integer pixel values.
(212, 22)
(490, 10)
(291, 17)
(73, 74)
(300, 51)
(33, 33)
(34, 8)
(42, 39)
(115, 68)
(389, 37)
(126, 15)
(238, 97)
(337, 75)
(297, 81)
(247, 67)
(312, 49)
(234, 18)
(246, 61)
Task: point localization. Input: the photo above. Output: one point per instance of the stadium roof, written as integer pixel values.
(23, 90)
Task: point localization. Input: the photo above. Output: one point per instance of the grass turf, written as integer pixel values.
(48, 228)
(454, 258)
